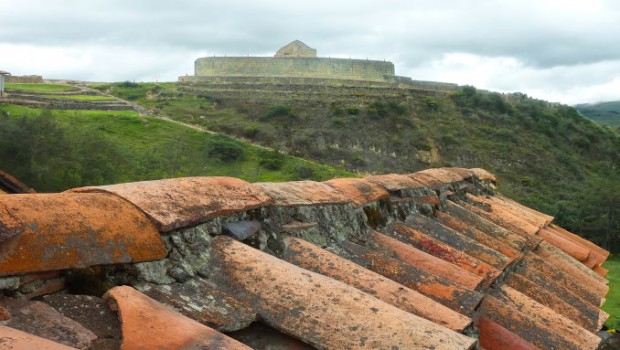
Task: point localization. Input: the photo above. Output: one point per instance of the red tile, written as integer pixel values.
(313, 258)
(182, 202)
(321, 311)
(12, 339)
(427, 262)
(302, 193)
(457, 298)
(360, 191)
(394, 182)
(502, 216)
(496, 337)
(428, 180)
(445, 252)
(507, 221)
(604, 253)
(543, 218)
(571, 248)
(147, 324)
(601, 270)
(73, 230)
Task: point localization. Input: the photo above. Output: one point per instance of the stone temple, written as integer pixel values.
(295, 60)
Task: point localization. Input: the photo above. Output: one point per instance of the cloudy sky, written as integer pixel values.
(565, 51)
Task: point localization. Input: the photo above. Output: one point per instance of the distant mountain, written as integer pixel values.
(605, 113)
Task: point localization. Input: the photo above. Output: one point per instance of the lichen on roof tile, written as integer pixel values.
(147, 324)
(72, 230)
(302, 193)
(360, 191)
(571, 248)
(395, 182)
(321, 311)
(181, 202)
(13, 339)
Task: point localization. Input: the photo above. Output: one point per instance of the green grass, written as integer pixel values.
(612, 304)
(39, 87)
(82, 97)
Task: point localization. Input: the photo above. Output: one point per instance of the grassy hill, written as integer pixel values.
(605, 113)
(53, 150)
(546, 155)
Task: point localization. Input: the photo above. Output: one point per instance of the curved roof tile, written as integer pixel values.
(17, 340)
(395, 182)
(483, 174)
(302, 193)
(72, 230)
(147, 324)
(496, 337)
(181, 202)
(360, 191)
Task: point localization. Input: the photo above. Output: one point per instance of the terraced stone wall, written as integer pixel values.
(330, 68)
(24, 79)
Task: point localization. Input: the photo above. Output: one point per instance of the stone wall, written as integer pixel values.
(24, 79)
(327, 68)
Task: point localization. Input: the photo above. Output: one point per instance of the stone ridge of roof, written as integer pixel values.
(435, 253)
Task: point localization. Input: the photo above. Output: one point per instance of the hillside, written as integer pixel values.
(57, 149)
(604, 113)
(547, 155)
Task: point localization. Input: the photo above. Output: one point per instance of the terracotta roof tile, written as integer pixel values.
(324, 312)
(542, 218)
(447, 175)
(483, 174)
(508, 215)
(9, 184)
(395, 182)
(427, 262)
(302, 193)
(175, 203)
(461, 242)
(496, 337)
(547, 318)
(71, 230)
(428, 180)
(523, 325)
(474, 233)
(445, 252)
(582, 313)
(490, 228)
(147, 324)
(450, 294)
(508, 221)
(360, 191)
(601, 270)
(12, 339)
(313, 258)
(571, 248)
(604, 253)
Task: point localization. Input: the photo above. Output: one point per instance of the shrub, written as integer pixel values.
(272, 160)
(129, 84)
(224, 148)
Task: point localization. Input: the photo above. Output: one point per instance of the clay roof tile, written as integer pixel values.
(9, 184)
(302, 193)
(395, 182)
(483, 175)
(360, 191)
(72, 230)
(181, 202)
(147, 324)
(14, 339)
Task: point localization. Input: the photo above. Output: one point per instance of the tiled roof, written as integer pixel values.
(9, 184)
(432, 260)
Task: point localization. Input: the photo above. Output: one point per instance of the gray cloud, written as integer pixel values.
(120, 40)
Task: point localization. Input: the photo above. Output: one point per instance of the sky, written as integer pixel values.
(557, 50)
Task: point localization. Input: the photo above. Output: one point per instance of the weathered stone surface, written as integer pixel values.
(147, 325)
(241, 230)
(13, 339)
(72, 230)
(92, 313)
(42, 320)
(321, 311)
(182, 202)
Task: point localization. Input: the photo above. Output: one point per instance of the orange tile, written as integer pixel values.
(360, 191)
(73, 230)
(542, 217)
(458, 241)
(427, 262)
(10, 225)
(604, 253)
(572, 267)
(496, 337)
(188, 201)
(470, 218)
(302, 193)
(447, 175)
(322, 311)
(547, 318)
(505, 220)
(394, 182)
(582, 313)
(476, 234)
(313, 258)
(17, 340)
(494, 203)
(457, 298)
(147, 324)
(483, 175)
(428, 180)
(571, 248)
(445, 252)
(523, 325)
(600, 270)
(9, 184)
(539, 269)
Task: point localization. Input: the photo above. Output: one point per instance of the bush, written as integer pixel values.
(129, 84)
(272, 160)
(224, 149)
(279, 113)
